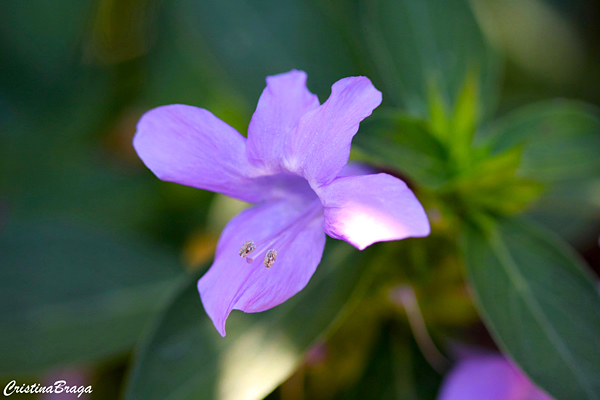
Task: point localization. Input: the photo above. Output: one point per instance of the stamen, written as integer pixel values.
(280, 239)
(247, 248)
(270, 258)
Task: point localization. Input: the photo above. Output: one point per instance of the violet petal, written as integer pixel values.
(281, 104)
(483, 378)
(488, 377)
(319, 147)
(233, 283)
(366, 209)
(190, 146)
(352, 169)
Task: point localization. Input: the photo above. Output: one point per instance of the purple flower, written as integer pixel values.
(293, 166)
(488, 377)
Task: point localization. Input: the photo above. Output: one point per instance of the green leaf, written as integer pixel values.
(42, 68)
(560, 143)
(492, 185)
(397, 141)
(71, 294)
(395, 370)
(560, 139)
(415, 44)
(184, 357)
(571, 209)
(540, 304)
(243, 41)
(387, 373)
(464, 122)
(455, 130)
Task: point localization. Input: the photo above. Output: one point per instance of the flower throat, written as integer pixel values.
(279, 240)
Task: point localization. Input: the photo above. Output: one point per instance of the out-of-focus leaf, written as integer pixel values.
(465, 111)
(439, 116)
(540, 39)
(540, 304)
(455, 129)
(71, 294)
(492, 185)
(415, 44)
(246, 40)
(560, 139)
(387, 374)
(426, 379)
(396, 370)
(60, 168)
(178, 74)
(572, 209)
(560, 142)
(404, 143)
(464, 121)
(41, 67)
(185, 358)
(121, 30)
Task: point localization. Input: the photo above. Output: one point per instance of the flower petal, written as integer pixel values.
(483, 378)
(319, 147)
(281, 104)
(233, 283)
(352, 169)
(190, 146)
(366, 209)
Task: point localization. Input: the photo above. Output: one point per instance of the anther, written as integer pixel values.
(247, 248)
(270, 258)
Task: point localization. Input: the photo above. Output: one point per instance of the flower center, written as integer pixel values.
(274, 243)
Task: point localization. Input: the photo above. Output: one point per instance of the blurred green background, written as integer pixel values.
(92, 245)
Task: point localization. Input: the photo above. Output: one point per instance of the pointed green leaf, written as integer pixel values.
(403, 143)
(539, 302)
(560, 142)
(439, 115)
(415, 42)
(465, 115)
(560, 139)
(571, 209)
(493, 185)
(464, 121)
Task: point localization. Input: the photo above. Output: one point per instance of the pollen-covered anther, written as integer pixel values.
(270, 258)
(247, 248)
